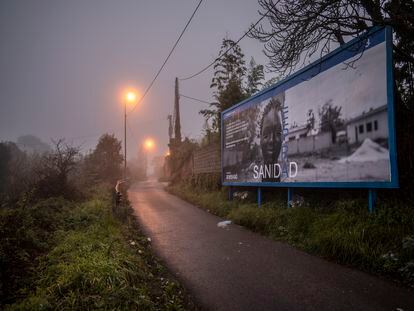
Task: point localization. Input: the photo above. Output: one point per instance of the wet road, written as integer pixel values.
(235, 269)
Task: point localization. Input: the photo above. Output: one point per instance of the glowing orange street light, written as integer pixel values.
(131, 97)
(149, 144)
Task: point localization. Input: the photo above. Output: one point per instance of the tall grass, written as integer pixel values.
(90, 260)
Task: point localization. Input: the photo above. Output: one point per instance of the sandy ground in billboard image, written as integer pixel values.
(370, 162)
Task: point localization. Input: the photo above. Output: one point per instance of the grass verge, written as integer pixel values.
(341, 230)
(83, 256)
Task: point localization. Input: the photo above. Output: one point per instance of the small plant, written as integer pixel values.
(391, 261)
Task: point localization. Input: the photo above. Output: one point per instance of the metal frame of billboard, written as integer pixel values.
(335, 57)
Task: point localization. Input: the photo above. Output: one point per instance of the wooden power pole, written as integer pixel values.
(177, 123)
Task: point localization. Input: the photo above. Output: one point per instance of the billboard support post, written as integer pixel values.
(372, 198)
(289, 196)
(230, 194)
(259, 196)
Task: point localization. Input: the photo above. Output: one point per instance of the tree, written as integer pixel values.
(230, 67)
(32, 144)
(300, 28)
(330, 117)
(14, 175)
(104, 163)
(54, 168)
(208, 135)
(230, 71)
(229, 96)
(255, 76)
(232, 83)
(271, 82)
(310, 122)
(5, 157)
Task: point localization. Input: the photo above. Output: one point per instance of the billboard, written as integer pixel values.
(329, 125)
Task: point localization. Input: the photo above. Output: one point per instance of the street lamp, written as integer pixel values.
(149, 144)
(130, 98)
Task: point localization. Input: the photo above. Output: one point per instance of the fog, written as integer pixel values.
(64, 64)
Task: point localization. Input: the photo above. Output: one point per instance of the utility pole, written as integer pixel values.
(170, 127)
(177, 123)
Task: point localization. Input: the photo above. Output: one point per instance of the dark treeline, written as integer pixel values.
(61, 171)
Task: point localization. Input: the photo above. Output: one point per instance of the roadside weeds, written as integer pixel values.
(98, 259)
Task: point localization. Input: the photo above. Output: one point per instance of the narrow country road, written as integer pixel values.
(234, 269)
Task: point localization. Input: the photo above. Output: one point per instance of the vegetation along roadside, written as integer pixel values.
(65, 245)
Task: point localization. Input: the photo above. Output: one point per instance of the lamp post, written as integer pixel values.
(130, 97)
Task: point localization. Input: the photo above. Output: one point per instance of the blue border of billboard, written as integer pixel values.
(375, 36)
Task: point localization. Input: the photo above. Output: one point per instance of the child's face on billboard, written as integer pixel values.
(271, 136)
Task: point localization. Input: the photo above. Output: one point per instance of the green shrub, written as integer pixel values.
(25, 233)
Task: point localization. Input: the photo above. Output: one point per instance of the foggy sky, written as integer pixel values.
(63, 65)
(356, 89)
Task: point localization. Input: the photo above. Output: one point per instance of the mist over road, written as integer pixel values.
(234, 269)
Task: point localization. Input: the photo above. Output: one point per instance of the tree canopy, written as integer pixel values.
(255, 76)
(104, 163)
(330, 117)
(232, 82)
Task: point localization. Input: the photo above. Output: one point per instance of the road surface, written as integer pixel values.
(234, 269)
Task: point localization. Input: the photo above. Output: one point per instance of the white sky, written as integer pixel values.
(356, 90)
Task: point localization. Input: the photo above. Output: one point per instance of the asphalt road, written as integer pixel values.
(234, 269)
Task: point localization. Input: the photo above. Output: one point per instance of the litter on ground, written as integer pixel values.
(224, 224)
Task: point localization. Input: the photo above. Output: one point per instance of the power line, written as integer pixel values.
(228, 50)
(162, 66)
(196, 99)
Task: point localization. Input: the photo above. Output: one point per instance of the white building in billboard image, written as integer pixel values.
(301, 141)
(297, 132)
(372, 124)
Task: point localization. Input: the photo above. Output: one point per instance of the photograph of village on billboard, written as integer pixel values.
(329, 127)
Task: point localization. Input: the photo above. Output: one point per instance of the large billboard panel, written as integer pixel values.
(331, 124)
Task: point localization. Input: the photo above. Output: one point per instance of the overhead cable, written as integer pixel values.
(196, 99)
(228, 50)
(162, 66)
